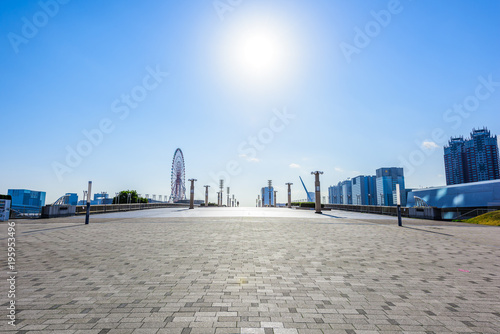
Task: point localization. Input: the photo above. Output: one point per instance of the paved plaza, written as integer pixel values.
(252, 270)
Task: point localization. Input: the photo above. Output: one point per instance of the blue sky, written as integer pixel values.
(357, 85)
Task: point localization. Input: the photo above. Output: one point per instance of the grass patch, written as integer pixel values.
(490, 218)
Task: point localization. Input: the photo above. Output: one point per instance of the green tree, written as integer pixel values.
(123, 197)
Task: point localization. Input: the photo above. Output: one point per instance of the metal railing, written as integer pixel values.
(473, 213)
(24, 212)
(383, 210)
(103, 208)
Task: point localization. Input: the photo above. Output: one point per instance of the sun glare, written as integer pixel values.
(258, 52)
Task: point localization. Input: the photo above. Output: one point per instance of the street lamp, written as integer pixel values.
(398, 203)
(289, 194)
(275, 191)
(191, 197)
(269, 186)
(317, 190)
(87, 214)
(206, 195)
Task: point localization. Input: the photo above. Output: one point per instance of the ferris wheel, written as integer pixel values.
(178, 177)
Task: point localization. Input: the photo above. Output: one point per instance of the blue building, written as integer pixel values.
(27, 201)
(335, 194)
(67, 199)
(346, 196)
(482, 194)
(387, 178)
(364, 190)
(472, 160)
(101, 198)
(267, 195)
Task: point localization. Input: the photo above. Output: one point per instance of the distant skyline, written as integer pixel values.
(259, 90)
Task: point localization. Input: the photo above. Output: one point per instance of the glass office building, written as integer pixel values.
(347, 192)
(364, 190)
(267, 196)
(334, 194)
(387, 178)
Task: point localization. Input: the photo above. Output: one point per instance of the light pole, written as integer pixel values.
(206, 195)
(218, 198)
(317, 190)
(87, 214)
(269, 186)
(398, 202)
(275, 198)
(289, 194)
(118, 200)
(191, 195)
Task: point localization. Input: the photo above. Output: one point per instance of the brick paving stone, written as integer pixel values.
(306, 274)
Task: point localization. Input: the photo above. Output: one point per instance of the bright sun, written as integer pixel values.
(258, 52)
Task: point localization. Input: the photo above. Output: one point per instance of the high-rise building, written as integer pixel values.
(267, 195)
(364, 190)
(454, 161)
(335, 194)
(472, 160)
(347, 192)
(387, 178)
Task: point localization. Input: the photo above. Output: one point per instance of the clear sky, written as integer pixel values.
(258, 89)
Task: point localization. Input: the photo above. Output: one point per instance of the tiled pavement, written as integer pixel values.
(253, 274)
